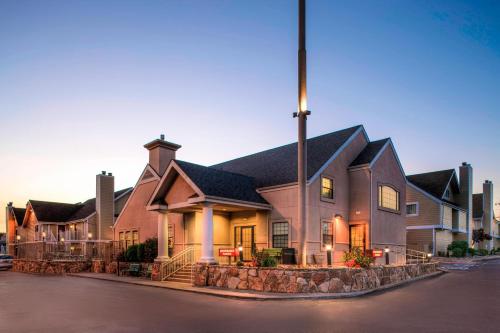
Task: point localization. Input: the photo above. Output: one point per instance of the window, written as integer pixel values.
(171, 235)
(327, 190)
(412, 209)
(135, 237)
(280, 234)
(122, 240)
(388, 197)
(128, 239)
(327, 233)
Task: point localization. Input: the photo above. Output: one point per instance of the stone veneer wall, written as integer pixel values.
(49, 267)
(332, 280)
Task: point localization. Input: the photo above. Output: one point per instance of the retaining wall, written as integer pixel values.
(289, 280)
(49, 267)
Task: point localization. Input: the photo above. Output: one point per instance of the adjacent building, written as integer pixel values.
(56, 221)
(484, 216)
(355, 188)
(439, 209)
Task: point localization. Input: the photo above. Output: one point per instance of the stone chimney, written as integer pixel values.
(488, 222)
(466, 181)
(105, 205)
(161, 152)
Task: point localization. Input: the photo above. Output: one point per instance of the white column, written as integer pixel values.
(162, 236)
(207, 236)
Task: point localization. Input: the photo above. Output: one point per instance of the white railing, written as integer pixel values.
(414, 256)
(176, 263)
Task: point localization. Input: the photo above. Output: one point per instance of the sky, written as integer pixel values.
(85, 84)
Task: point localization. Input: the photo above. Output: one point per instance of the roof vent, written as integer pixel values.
(9, 204)
(162, 136)
(110, 174)
(464, 163)
(103, 173)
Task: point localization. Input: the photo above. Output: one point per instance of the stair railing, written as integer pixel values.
(176, 263)
(414, 255)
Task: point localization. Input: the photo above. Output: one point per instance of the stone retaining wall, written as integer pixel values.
(332, 280)
(49, 267)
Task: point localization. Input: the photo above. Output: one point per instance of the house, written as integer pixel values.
(484, 217)
(57, 221)
(3, 243)
(354, 191)
(438, 209)
(14, 221)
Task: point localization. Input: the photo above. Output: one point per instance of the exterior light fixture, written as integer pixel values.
(429, 256)
(62, 239)
(338, 216)
(387, 250)
(44, 234)
(72, 248)
(89, 235)
(240, 250)
(71, 226)
(18, 237)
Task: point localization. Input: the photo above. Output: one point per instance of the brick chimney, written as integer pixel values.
(105, 205)
(161, 152)
(488, 222)
(466, 181)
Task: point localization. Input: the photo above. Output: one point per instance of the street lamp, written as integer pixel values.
(329, 254)
(240, 250)
(429, 256)
(89, 235)
(44, 235)
(18, 238)
(387, 250)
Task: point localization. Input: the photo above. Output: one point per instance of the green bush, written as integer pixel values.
(150, 249)
(131, 253)
(457, 252)
(472, 251)
(269, 262)
(482, 252)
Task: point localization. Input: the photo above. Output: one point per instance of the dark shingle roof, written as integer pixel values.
(19, 214)
(369, 152)
(278, 166)
(215, 182)
(63, 212)
(433, 183)
(477, 205)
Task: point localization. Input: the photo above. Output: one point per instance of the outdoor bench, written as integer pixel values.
(134, 269)
(273, 252)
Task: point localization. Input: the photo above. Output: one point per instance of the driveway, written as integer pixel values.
(459, 301)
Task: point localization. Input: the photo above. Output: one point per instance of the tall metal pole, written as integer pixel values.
(302, 134)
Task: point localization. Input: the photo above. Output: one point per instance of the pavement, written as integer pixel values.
(241, 294)
(460, 301)
(463, 264)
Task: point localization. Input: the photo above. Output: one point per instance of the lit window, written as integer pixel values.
(280, 234)
(135, 237)
(128, 239)
(122, 240)
(327, 233)
(412, 209)
(327, 190)
(388, 197)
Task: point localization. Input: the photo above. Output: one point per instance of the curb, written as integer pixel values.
(224, 293)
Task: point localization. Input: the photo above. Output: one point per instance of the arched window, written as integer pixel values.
(388, 197)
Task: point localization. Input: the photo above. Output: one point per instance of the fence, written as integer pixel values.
(67, 250)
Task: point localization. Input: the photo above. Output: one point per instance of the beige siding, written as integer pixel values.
(443, 239)
(447, 217)
(429, 212)
(462, 220)
(420, 239)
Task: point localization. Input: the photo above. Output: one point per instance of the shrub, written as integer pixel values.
(357, 258)
(121, 256)
(239, 264)
(457, 252)
(269, 262)
(150, 249)
(140, 252)
(472, 251)
(131, 253)
(482, 252)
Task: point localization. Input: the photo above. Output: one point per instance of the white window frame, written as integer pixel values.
(322, 198)
(323, 248)
(417, 210)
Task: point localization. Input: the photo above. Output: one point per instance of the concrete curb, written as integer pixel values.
(257, 296)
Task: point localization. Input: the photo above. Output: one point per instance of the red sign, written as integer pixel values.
(228, 252)
(377, 253)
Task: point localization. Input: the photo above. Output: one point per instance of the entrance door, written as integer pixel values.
(357, 237)
(245, 236)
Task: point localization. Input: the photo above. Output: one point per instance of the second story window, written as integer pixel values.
(388, 197)
(327, 189)
(411, 209)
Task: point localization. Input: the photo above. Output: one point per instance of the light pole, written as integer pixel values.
(329, 254)
(240, 250)
(302, 114)
(387, 250)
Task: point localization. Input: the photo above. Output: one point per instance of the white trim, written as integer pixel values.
(434, 242)
(417, 210)
(452, 206)
(215, 199)
(423, 227)
(271, 233)
(276, 188)
(361, 129)
(430, 196)
(448, 185)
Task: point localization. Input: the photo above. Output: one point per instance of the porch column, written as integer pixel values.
(207, 236)
(162, 236)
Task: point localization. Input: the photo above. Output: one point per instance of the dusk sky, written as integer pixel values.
(84, 84)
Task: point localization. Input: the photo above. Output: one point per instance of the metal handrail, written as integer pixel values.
(176, 263)
(419, 256)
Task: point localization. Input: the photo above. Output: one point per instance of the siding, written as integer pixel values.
(443, 239)
(420, 240)
(447, 217)
(429, 211)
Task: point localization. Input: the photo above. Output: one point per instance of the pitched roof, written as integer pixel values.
(215, 182)
(48, 211)
(19, 214)
(434, 183)
(369, 152)
(477, 205)
(278, 166)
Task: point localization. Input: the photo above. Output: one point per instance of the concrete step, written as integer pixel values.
(174, 279)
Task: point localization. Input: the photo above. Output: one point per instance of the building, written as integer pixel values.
(354, 191)
(484, 216)
(3, 243)
(438, 209)
(56, 221)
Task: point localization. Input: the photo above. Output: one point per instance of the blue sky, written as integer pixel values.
(84, 84)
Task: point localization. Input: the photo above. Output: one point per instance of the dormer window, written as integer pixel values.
(327, 189)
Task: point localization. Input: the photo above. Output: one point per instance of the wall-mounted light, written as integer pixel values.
(18, 237)
(89, 235)
(387, 250)
(338, 216)
(62, 239)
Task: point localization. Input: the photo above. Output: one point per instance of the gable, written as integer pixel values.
(388, 164)
(180, 191)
